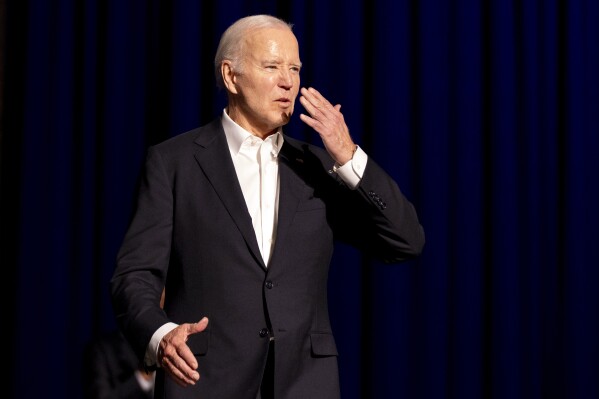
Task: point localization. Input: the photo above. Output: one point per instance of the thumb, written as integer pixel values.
(199, 326)
(338, 107)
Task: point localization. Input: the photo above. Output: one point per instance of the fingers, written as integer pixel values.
(317, 102)
(327, 120)
(179, 370)
(185, 353)
(322, 114)
(316, 105)
(176, 358)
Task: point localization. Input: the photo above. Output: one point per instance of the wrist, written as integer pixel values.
(351, 156)
(353, 152)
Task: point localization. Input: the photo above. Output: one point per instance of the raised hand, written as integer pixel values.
(327, 120)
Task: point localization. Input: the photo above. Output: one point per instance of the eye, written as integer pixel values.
(295, 69)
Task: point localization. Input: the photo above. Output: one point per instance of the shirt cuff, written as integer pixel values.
(351, 173)
(151, 357)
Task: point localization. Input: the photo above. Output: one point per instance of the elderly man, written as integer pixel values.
(238, 221)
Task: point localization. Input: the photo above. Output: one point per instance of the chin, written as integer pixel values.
(286, 117)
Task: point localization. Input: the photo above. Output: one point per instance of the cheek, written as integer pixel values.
(296, 86)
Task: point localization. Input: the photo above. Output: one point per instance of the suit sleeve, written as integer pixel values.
(377, 218)
(143, 258)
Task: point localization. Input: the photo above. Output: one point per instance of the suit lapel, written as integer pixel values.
(290, 191)
(214, 158)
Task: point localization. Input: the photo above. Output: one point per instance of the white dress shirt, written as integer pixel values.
(257, 166)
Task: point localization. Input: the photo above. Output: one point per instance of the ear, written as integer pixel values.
(229, 76)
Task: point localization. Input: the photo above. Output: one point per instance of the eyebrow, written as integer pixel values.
(276, 61)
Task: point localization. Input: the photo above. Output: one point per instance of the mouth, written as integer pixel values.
(284, 102)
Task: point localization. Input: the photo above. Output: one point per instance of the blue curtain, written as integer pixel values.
(485, 111)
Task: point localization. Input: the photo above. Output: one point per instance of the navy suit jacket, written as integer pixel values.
(192, 233)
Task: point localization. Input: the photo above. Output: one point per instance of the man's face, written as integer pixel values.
(269, 81)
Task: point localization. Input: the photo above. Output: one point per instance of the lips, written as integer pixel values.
(283, 102)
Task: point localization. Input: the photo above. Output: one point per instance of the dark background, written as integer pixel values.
(485, 111)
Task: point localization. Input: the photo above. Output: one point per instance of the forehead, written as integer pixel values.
(279, 42)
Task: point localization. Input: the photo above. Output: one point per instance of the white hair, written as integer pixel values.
(231, 42)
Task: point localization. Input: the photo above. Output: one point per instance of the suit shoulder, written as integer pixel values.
(301, 144)
(308, 150)
(187, 139)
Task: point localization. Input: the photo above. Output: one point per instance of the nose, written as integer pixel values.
(286, 80)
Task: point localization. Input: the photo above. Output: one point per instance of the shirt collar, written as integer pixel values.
(236, 135)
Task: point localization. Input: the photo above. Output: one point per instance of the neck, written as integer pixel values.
(251, 126)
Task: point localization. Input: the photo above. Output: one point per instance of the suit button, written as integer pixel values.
(269, 284)
(264, 332)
